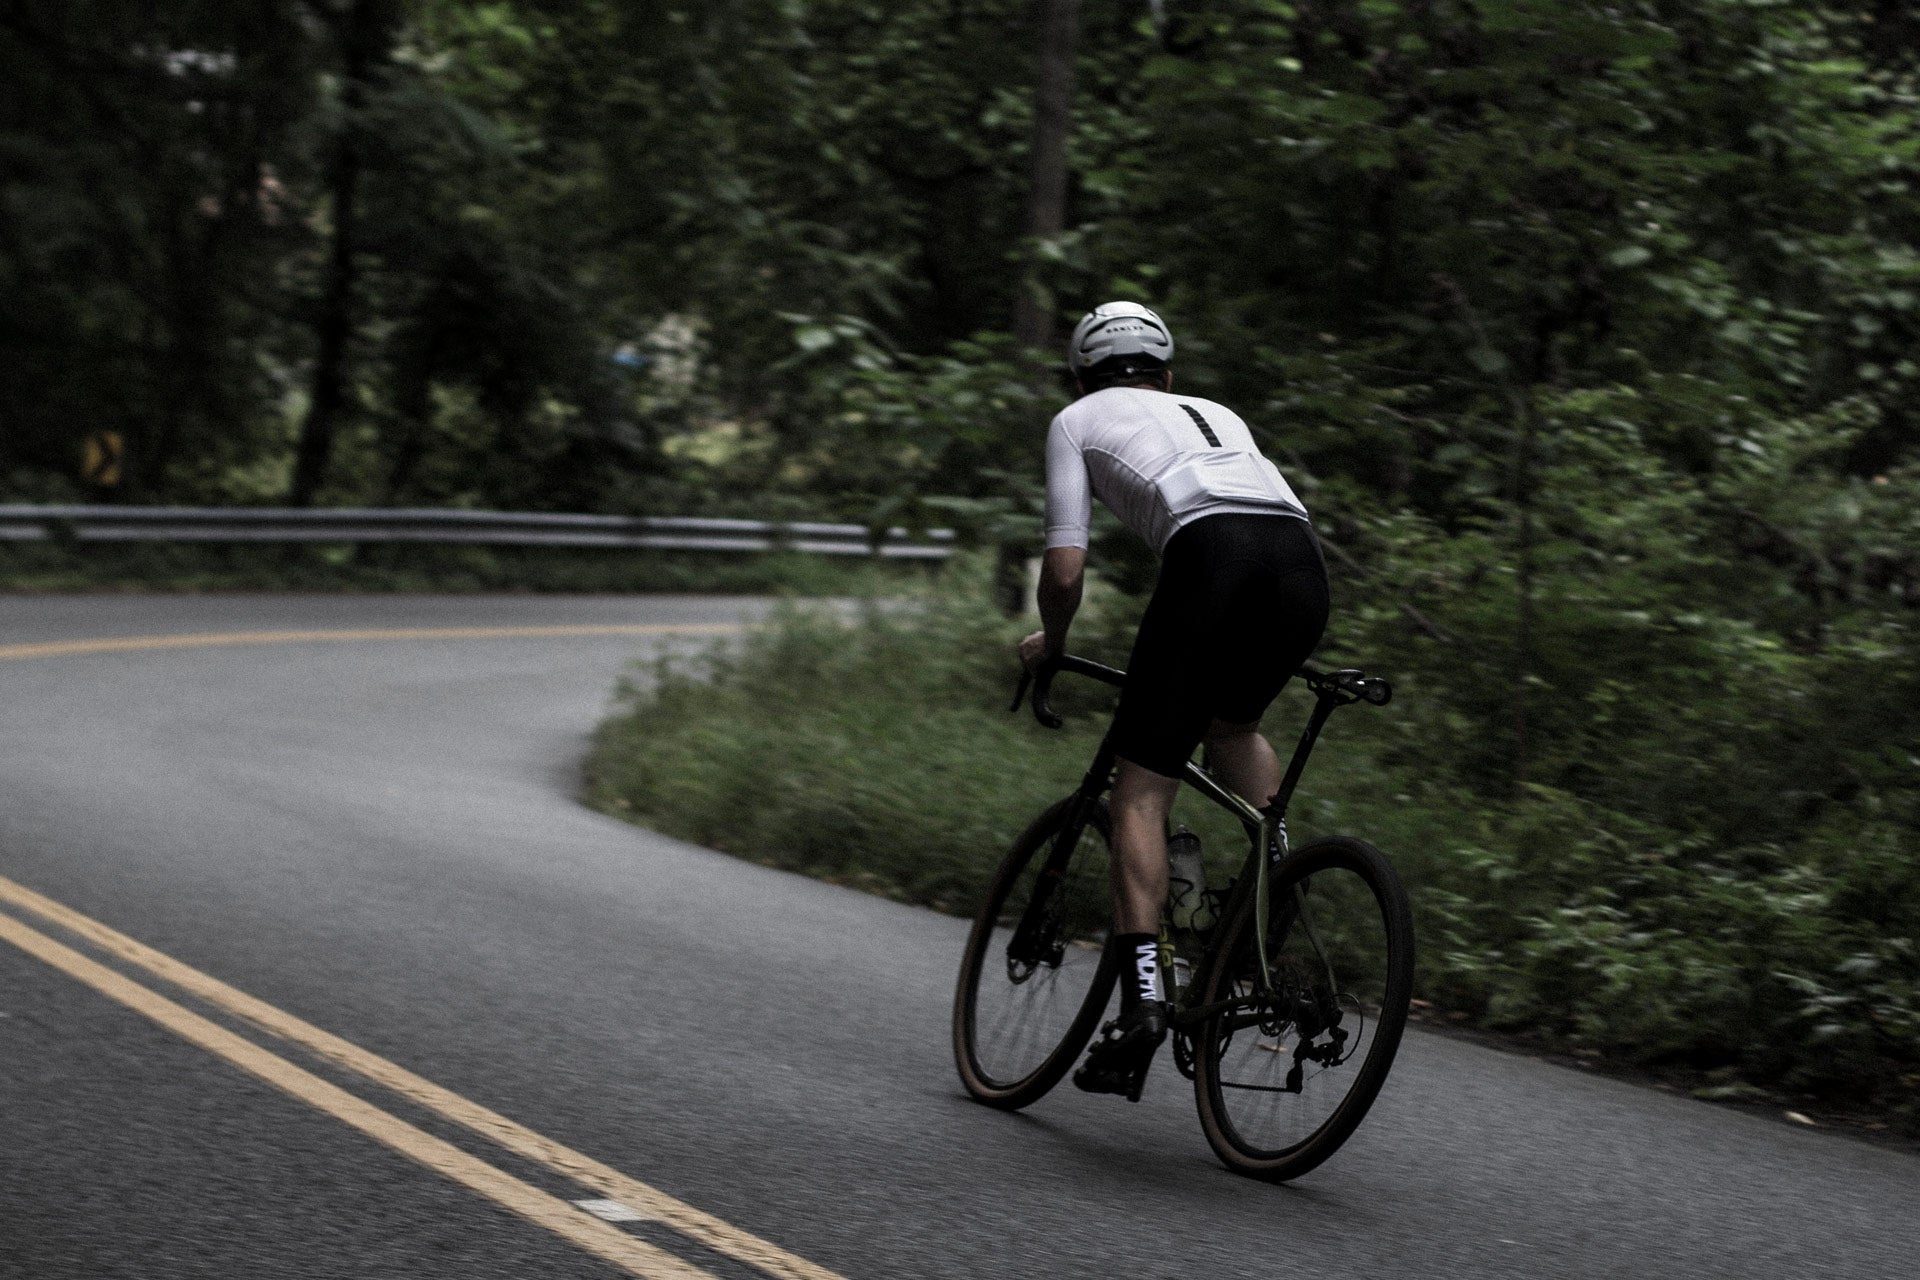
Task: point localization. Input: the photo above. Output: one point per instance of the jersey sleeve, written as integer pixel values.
(1069, 490)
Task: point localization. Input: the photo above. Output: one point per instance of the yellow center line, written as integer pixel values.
(211, 639)
(631, 1254)
(694, 1223)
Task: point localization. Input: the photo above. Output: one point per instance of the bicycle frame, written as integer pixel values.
(1266, 829)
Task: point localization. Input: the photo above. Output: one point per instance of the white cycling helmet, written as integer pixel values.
(1119, 338)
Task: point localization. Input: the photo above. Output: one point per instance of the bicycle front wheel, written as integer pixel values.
(1287, 1070)
(1035, 977)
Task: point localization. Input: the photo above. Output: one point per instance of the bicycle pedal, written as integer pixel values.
(1125, 1079)
(1120, 1059)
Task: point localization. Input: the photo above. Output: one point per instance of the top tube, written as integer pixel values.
(1348, 684)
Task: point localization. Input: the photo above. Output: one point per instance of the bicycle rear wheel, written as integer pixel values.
(1285, 1076)
(1035, 977)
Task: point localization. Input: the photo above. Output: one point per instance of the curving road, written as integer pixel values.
(377, 836)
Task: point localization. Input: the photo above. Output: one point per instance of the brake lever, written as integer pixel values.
(1020, 693)
(1043, 685)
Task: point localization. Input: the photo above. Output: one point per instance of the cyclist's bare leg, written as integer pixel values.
(1140, 804)
(1244, 760)
(1139, 807)
(1142, 801)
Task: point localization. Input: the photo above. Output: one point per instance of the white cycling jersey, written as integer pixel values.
(1159, 461)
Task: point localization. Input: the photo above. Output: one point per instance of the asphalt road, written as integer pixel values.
(380, 836)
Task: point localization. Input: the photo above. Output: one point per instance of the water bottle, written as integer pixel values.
(1187, 879)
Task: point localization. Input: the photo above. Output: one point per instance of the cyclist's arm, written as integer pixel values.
(1062, 573)
(1069, 490)
(1069, 517)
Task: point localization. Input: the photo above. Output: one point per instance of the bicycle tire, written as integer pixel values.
(1263, 1115)
(1059, 1018)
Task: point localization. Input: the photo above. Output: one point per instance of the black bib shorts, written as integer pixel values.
(1240, 603)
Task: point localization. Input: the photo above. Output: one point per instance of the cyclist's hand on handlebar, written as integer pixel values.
(1033, 650)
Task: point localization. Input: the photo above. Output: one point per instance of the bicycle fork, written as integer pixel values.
(1036, 938)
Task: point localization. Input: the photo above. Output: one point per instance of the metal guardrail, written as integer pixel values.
(36, 523)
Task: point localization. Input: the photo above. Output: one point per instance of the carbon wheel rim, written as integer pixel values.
(1029, 986)
(1301, 1064)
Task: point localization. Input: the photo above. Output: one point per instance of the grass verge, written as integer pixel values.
(879, 753)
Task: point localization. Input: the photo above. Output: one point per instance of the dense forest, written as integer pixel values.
(1588, 329)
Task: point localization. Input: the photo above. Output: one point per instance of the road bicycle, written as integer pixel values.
(1289, 986)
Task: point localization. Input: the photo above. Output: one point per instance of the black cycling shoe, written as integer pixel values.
(1119, 1059)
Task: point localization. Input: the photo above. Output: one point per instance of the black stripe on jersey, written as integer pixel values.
(1201, 423)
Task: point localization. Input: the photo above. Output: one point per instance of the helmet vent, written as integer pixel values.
(1119, 331)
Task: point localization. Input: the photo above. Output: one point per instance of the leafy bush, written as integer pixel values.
(875, 750)
(867, 750)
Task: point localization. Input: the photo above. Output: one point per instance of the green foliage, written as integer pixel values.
(876, 750)
(1374, 225)
(817, 746)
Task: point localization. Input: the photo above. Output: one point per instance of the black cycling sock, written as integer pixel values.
(1139, 969)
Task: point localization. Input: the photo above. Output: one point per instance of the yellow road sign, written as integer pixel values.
(101, 461)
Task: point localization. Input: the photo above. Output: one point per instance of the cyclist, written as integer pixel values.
(1240, 603)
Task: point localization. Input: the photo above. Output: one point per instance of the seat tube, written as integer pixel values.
(1323, 708)
(1272, 836)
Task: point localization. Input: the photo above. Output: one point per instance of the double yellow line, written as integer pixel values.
(628, 1252)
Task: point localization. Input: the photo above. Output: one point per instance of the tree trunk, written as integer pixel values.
(364, 37)
(1033, 304)
(332, 327)
(1528, 417)
(413, 414)
(1047, 187)
(1526, 426)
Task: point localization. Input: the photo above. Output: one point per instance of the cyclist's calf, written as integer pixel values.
(1244, 761)
(1140, 804)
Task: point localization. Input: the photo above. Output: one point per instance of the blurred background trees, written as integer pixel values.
(609, 254)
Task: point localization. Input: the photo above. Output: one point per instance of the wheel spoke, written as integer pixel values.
(1281, 1083)
(1031, 977)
